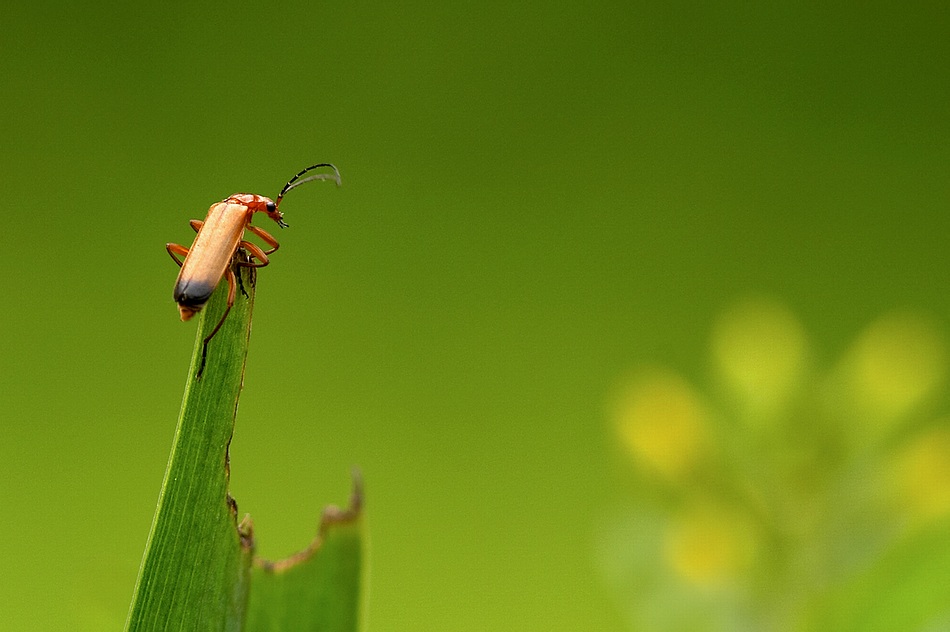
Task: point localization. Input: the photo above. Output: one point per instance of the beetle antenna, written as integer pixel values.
(296, 182)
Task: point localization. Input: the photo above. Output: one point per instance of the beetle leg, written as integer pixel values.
(241, 258)
(263, 234)
(255, 252)
(229, 274)
(176, 249)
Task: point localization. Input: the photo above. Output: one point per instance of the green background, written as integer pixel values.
(537, 199)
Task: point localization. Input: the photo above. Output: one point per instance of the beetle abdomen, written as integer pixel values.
(193, 293)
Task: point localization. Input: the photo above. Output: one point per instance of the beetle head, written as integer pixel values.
(272, 212)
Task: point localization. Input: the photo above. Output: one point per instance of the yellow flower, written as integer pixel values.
(662, 423)
(922, 475)
(895, 364)
(710, 545)
(760, 349)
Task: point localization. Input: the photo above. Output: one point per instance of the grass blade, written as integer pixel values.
(319, 588)
(194, 575)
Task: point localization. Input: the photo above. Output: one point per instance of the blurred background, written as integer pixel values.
(633, 317)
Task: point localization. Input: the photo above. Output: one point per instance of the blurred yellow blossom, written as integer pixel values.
(922, 474)
(760, 350)
(709, 545)
(662, 423)
(895, 364)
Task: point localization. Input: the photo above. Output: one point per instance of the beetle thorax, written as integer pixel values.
(251, 201)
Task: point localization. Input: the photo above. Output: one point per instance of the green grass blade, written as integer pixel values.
(194, 575)
(906, 589)
(319, 588)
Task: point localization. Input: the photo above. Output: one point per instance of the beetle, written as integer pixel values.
(220, 239)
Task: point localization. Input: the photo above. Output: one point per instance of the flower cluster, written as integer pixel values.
(780, 497)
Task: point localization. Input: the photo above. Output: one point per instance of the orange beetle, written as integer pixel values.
(219, 239)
